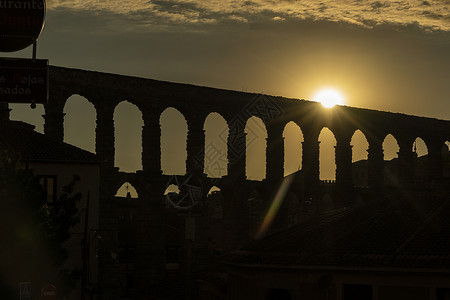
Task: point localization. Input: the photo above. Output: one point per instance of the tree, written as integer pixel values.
(32, 233)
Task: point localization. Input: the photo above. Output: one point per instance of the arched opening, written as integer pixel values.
(171, 195)
(256, 145)
(213, 190)
(128, 125)
(390, 152)
(420, 147)
(126, 237)
(447, 143)
(126, 190)
(173, 142)
(293, 138)
(216, 136)
(79, 123)
(327, 159)
(173, 188)
(22, 112)
(359, 145)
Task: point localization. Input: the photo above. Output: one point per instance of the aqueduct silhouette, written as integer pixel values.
(106, 91)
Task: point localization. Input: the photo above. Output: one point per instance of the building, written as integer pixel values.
(55, 163)
(389, 248)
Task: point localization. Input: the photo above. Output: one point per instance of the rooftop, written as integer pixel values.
(19, 137)
(401, 231)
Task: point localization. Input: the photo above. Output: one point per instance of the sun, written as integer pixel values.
(329, 98)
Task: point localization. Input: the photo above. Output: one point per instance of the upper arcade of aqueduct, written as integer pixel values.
(152, 97)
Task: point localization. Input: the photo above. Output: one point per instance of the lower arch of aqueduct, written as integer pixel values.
(106, 91)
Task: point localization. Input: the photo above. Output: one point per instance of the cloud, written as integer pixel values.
(430, 15)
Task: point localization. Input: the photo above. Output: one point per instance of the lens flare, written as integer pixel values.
(274, 207)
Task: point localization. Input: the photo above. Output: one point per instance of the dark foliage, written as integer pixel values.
(32, 222)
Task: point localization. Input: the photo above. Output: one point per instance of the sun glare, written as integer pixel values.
(329, 98)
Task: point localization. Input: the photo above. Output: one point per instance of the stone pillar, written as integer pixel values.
(275, 153)
(108, 249)
(150, 237)
(235, 213)
(104, 135)
(108, 209)
(151, 144)
(435, 162)
(236, 151)
(406, 161)
(195, 147)
(54, 117)
(343, 152)
(4, 111)
(310, 161)
(234, 190)
(375, 164)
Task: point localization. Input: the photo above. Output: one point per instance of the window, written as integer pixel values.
(49, 185)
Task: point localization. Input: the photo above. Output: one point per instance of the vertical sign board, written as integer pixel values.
(23, 80)
(25, 290)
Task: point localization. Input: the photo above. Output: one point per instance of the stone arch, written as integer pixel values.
(391, 149)
(172, 188)
(171, 194)
(216, 150)
(174, 131)
(360, 147)
(80, 122)
(420, 147)
(128, 123)
(293, 139)
(256, 147)
(126, 188)
(446, 146)
(327, 157)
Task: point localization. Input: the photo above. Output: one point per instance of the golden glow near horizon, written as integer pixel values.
(329, 98)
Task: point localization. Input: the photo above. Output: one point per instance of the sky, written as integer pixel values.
(384, 55)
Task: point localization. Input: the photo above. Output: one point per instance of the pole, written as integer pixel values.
(34, 49)
(189, 236)
(85, 249)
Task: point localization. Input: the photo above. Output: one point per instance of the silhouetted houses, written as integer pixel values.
(391, 248)
(55, 163)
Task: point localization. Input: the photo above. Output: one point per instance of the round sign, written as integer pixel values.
(48, 292)
(21, 21)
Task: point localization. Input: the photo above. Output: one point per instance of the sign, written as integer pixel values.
(48, 292)
(21, 22)
(25, 290)
(23, 80)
